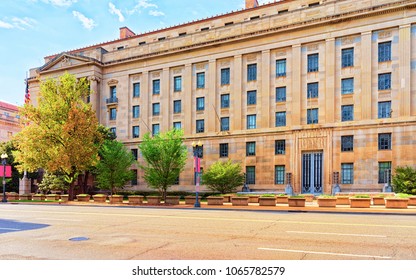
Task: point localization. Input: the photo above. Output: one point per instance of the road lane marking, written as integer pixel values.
(341, 234)
(324, 253)
(13, 229)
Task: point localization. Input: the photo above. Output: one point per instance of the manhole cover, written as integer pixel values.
(78, 238)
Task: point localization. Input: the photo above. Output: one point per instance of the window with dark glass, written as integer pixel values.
(177, 106)
(384, 141)
(136, 111)
(225, 101)
(250, 148)
(312, 116)
(134, 180)
(313, 90)
(347, 173)
(250, 175)
(281, 94)
(225, 76)
(251, 97)
(113, 130)
(156, 86)
(382, 168)
(200, 126)
(113, 114)
(156, 109)
(224, 150)
(177, 125)
(136, 131)
(279, 147)
(200, 80)
(313, 62)
(384, 51)
(136, 90)
(347, 113)
(347, 57)
(200, 103)
(384, 110)
(113, 92)
(384, 81)
(280, 119)
(347, 86)
(347, 143)
(177, 83)
(251, 121)
(225, 124)
(279, 174)
(155, 129)
(135, 153)
(251, 72)
(281, 68)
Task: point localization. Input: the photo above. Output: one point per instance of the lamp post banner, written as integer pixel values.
(8, 171)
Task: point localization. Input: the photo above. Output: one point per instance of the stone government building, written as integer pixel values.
(304, 87)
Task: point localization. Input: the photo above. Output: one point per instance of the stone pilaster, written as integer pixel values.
(366, 76)
(187, 100)
(210, 100)
(330, 80)
(236, 95)
(296, 93)
(404, 71)
(264, 92)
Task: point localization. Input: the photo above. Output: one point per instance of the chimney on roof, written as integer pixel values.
(125, 32)
(251, 4)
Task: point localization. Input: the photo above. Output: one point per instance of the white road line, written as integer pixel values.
(5, 228)
(341, 234)
(324, 253)
(65, 220)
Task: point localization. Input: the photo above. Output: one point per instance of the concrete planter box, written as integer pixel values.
(267, 201)
(296, 202)
(64, 198)
(11, 196)
(343, 200)
(399, 203)
(99, 198)
(360, 202)
(327, 202)
(26, 196)
(282, 199)
(52, 197)
(135, 199)
(378, 200)
(153, 200)
(172, 200)
(239, 201)
(83, 197)
(190, 199)
(38, 197)
(412, 201)
(253, 198)
(116, 199)
(227, 197)
(215, 200)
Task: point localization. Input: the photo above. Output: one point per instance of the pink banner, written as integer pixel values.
(8, 171)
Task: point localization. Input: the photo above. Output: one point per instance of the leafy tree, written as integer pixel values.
(404, 180)
(53, 182)
(113, 169)
(165, 156)
(61, 133)
(223, 177)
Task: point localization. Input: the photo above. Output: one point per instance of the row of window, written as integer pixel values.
(384, 142)
(347, 172)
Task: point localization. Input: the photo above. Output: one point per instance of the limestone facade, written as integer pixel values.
(9, 121)
(304, 87)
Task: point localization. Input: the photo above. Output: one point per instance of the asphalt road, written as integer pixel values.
(52, 232)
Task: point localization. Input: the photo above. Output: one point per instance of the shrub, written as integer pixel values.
(223, 177)
(404, 180)
(268, 195)
(361, 196)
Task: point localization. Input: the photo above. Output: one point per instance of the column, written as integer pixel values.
(404, 99)
(265, 114)
(236, 94)
(296, 95)
(187, 100)
(212, 112)
(329, 97)
(145, 107)
(95, 96)
(165, 102)
(366, 67)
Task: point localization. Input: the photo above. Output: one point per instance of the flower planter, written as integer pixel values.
(282, 199)
(100, 198)
(52, 197)
(116, 199)
(227, 197)
(135, 199)
(308, 197)
(153, 200)
(191, 199)
(26, 196)
(395, 202)
(296, 202)
(360, 202)
(215, 200)
(64, 198)
(239, 201)
(343, 200)
(267, 201)
(412, 201)
(12, 196)
(83, 197)
(38, 197)
(327, 202)
(253, 198)
(378, 200)
(172, 200)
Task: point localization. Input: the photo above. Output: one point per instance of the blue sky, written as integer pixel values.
(33, 29)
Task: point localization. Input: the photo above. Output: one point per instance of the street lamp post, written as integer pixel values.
(4, 162)
(197, 164)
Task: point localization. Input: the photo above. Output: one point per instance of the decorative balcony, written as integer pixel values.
(112, 100)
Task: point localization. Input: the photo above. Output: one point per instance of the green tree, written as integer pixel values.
(61, 133)
(404, 180)
(223, 177)
(113, 169)
(53, 182)
(165, 156)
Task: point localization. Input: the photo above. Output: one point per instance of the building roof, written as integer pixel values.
(8, 106)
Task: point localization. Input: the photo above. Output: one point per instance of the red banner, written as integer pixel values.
(8, 171)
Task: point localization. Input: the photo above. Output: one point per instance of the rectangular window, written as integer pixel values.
(384, 110)
(347, 57)
(281, 68)
(156, 86)
(279, 147)
(347, 173)
(113, 130)
(225, 76)
(200, 104)
(384, 81)
(156, 109)
(384, 51)
(200, 126)
(177, 84)
(136, 111)
(135, 153)
(251, 121)
(347, 143)
(225, 124)
(347, 86)
(113, 114)
(384, 141)
(250, 148)
(113, 92)
(134, 180)
(281, 94)
(177, 125)
(136, 131)
(313, 63)
(200, 80)
(382, 168)
(136, 90)
(312, 116)
(224, 150)
(347, 113)
(279, 174)
(280, 119)
(225, 101)
(251, 97)
(155, 129)
(313, 90)
(177, 106)
(250, 175)
(251, 72)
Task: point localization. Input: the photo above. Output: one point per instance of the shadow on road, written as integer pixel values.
(7, 226)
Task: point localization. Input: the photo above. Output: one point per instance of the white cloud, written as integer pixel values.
(6, 25)
(23, 23)
(86, 22)
(58, 3)
(142, 4)
(156, 13)
(114, 11)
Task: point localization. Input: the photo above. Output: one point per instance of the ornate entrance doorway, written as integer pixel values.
(312, 170)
